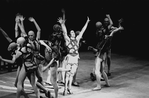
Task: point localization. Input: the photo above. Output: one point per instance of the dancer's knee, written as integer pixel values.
(19, 87)
(74, 69)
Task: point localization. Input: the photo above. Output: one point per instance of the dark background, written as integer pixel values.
(132, 41)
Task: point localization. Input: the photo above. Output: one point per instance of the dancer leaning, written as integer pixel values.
(25, 53)
(12, 43)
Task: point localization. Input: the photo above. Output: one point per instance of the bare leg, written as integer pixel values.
(39, 82)
(53, 79)
(46, 91)
(74, 77)
(70, 83)
(74, 82)
(40, 74)
(48, 78)
(33, 83)
(104, 74)
(73, 72)
(66, 83)
(97, 73)
(64, 63)
(17, 74)
(21, 78)
(67, 78)
(39, 77)
(60, 77)
(109, 62)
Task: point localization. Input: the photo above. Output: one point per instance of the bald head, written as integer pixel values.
(21, 41)
(98, 24)
(106, 21)
(12, 46)
(31, 35)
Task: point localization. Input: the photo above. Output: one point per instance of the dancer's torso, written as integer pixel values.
(28, 58)
(36, 50)
(73, 47)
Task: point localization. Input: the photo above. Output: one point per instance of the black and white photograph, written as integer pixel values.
(74, 49)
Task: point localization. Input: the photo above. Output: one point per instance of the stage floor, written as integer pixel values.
(129, 79)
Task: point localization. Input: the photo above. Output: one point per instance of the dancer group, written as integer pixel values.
(61, 55)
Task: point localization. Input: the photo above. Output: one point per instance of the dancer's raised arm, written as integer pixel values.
(6, 36)
(83, 29)
(63, 11)
(62, 22)
(16, 26)
(13, 58)
(21, 25)
(115, 30)
(37, 27)
(110, 21)
(44, 44)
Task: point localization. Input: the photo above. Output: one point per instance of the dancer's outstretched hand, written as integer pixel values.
(31, 19)
(121, 28)
(88, 19)
(17, 19)
(106, 36)
(107, 15)
(60, 20)
(22, 18)
(63, 11)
